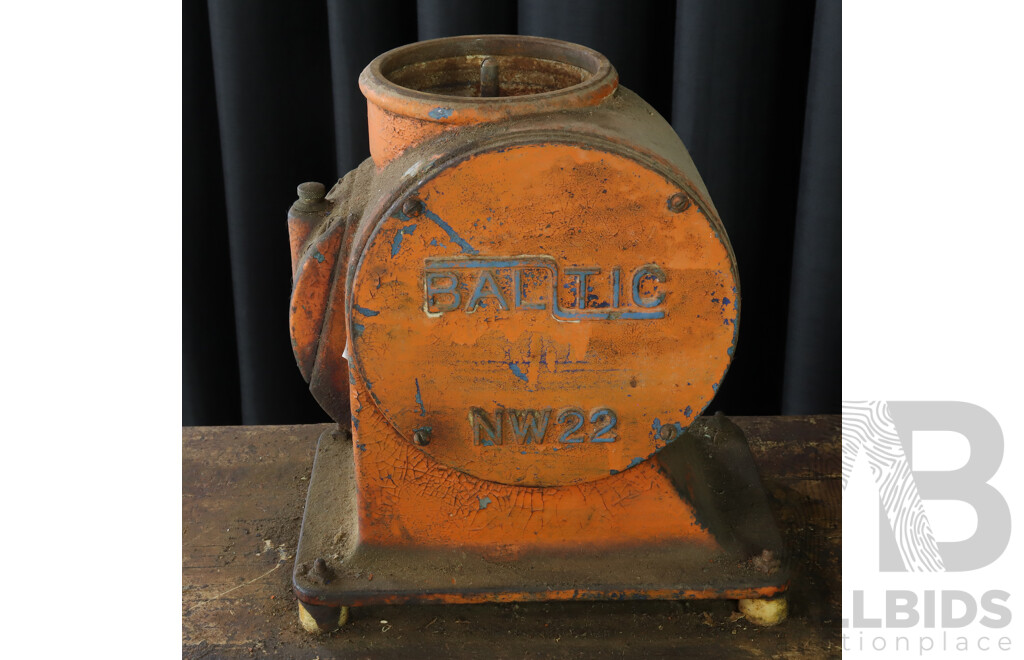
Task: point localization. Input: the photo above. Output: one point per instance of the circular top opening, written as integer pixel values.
(461, 80)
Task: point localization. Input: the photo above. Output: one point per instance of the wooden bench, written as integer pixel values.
(243, 490)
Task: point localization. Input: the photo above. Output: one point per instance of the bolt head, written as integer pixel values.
(421, 437)
(679, 202)
(667, 433)
(412, 207)
(321, 572)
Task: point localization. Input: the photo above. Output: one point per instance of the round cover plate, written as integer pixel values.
(543, 313)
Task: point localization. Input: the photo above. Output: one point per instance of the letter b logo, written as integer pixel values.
(883, 431)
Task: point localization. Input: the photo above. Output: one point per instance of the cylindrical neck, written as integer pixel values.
(422, 90)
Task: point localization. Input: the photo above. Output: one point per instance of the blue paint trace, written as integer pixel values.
(357, 329)
(636, 461)
(655, 272)
(452, 234)
(361, 447)
(433, 290)
(581, 283)
(364, 311)
(604, 434)
(445, 267)
(486, 287)
(484, 501)
(396, 244)
(440, 113)
(419, 399)
(518, 372)
(319, 257)
(688, 411)
(517, 288)
(571, 428)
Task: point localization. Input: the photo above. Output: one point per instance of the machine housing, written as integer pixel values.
(516, 311)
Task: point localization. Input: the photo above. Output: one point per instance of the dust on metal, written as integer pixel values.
(321, 572)
(519, 315)
(311, 197)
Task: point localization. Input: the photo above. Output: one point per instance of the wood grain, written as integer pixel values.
(243, 490)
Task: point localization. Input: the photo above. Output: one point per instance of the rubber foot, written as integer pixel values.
(330, 619)
(765, 611)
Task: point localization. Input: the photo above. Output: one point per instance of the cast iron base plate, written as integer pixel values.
(710, 464)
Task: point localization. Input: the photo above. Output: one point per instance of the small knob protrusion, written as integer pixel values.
(311, 196)
(311, 191)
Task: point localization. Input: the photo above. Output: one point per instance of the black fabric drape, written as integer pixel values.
(738, 104)
(813, 344)
(270, 100)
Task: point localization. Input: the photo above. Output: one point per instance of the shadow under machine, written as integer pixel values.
(516, 311)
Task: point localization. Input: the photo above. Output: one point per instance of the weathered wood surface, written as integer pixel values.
(243, 489)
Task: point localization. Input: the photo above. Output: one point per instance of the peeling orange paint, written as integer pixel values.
(570, 207)
(510, 304)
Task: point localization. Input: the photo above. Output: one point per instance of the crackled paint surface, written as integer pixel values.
(406, 497)
(544, 319)
(546, 314)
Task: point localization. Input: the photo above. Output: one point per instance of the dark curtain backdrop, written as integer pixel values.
(270, 100)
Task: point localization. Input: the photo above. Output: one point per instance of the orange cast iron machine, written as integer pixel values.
(516, 310)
